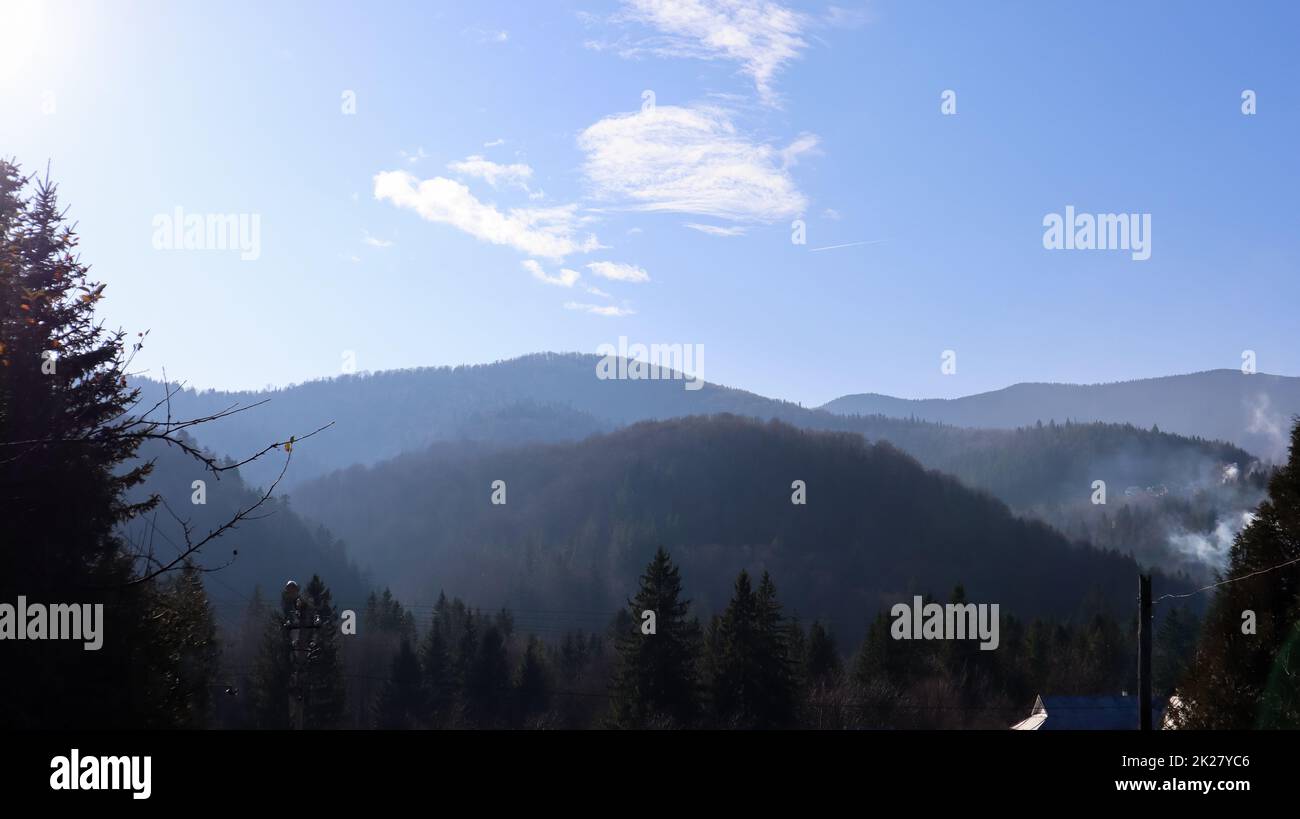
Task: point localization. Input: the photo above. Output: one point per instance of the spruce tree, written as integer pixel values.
(656, 683)
(439, 675)
(186, 624)
(823, 658)
(533, 686)
(403, 702)
(487, 682)
(753, 686)
(1246, 680)
(322, 668)
(70, 429)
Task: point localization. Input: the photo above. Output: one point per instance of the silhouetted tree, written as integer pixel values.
(1243, 680)
(657, 681)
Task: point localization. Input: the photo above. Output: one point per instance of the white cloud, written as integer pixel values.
(761, 35)
(516, 174)
(494, 143)
(596, 291)
(599, 309)
(567, 278)
(550, 233)
(832, 214)
(715, 230)
(373, 241)
(691, 160)
(619, 272)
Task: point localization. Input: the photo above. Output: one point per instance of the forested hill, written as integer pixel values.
(273, 546)
(554, 397)
(1252, 411)
(581, 520)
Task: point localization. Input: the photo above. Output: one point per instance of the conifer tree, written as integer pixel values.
(823, 658)
(533, 683)
(70, 428)
(439, 674)
(657, 679)
(323, 686)
(753, 686)
(487, 683)
(1240, 679)
(185, 621)
(403, 702)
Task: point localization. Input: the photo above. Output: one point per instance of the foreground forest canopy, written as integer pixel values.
(768, 613)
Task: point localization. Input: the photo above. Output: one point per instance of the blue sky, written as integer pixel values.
(496, 145)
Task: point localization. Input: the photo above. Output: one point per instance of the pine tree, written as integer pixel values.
(1243, 680)
(439, 675)
(533, 684)
(656, 682)
(753, 686)
(403, 702)
(70, 429)
(823, 659)
(1173, 649)
(273, 695)
(322, 669)
(487, 683)
(186, 624)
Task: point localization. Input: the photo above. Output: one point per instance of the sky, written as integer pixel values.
(454, 183)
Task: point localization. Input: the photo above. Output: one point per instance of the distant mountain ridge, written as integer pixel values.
(1252, 411)
(548, 398)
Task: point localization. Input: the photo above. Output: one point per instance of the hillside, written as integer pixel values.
(582, 519)
(551, 398)
(1252, 411)
(274, 546)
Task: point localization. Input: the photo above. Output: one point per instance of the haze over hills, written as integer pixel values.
(558, 397)
(273, 545)
(581, 519)
(1182, 516)
(1252, 411)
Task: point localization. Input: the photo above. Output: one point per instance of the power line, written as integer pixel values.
(1230, 580)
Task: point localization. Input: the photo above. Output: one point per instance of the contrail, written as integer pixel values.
(850, 244)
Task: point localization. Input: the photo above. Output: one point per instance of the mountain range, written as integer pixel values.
(1253, 411)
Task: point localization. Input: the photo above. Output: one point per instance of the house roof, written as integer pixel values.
(1052, 713)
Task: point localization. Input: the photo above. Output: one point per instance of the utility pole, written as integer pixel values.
(1144, 652)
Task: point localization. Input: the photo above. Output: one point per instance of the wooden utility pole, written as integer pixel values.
(1144, 652)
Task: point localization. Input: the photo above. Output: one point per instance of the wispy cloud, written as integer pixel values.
(413, 156)
(842, 17)
(599, 309)
(551, 233)
(494, 143)
(716, 230)
(691, 160)
(846, 244)
(488, 35)
(761, 36)
(566, 277)
(373, 241)
(619, 272)
(516, 174)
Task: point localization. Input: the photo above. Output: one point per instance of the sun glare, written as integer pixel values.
(22, 28)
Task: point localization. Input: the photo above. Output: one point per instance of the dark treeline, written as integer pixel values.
(751, 665)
